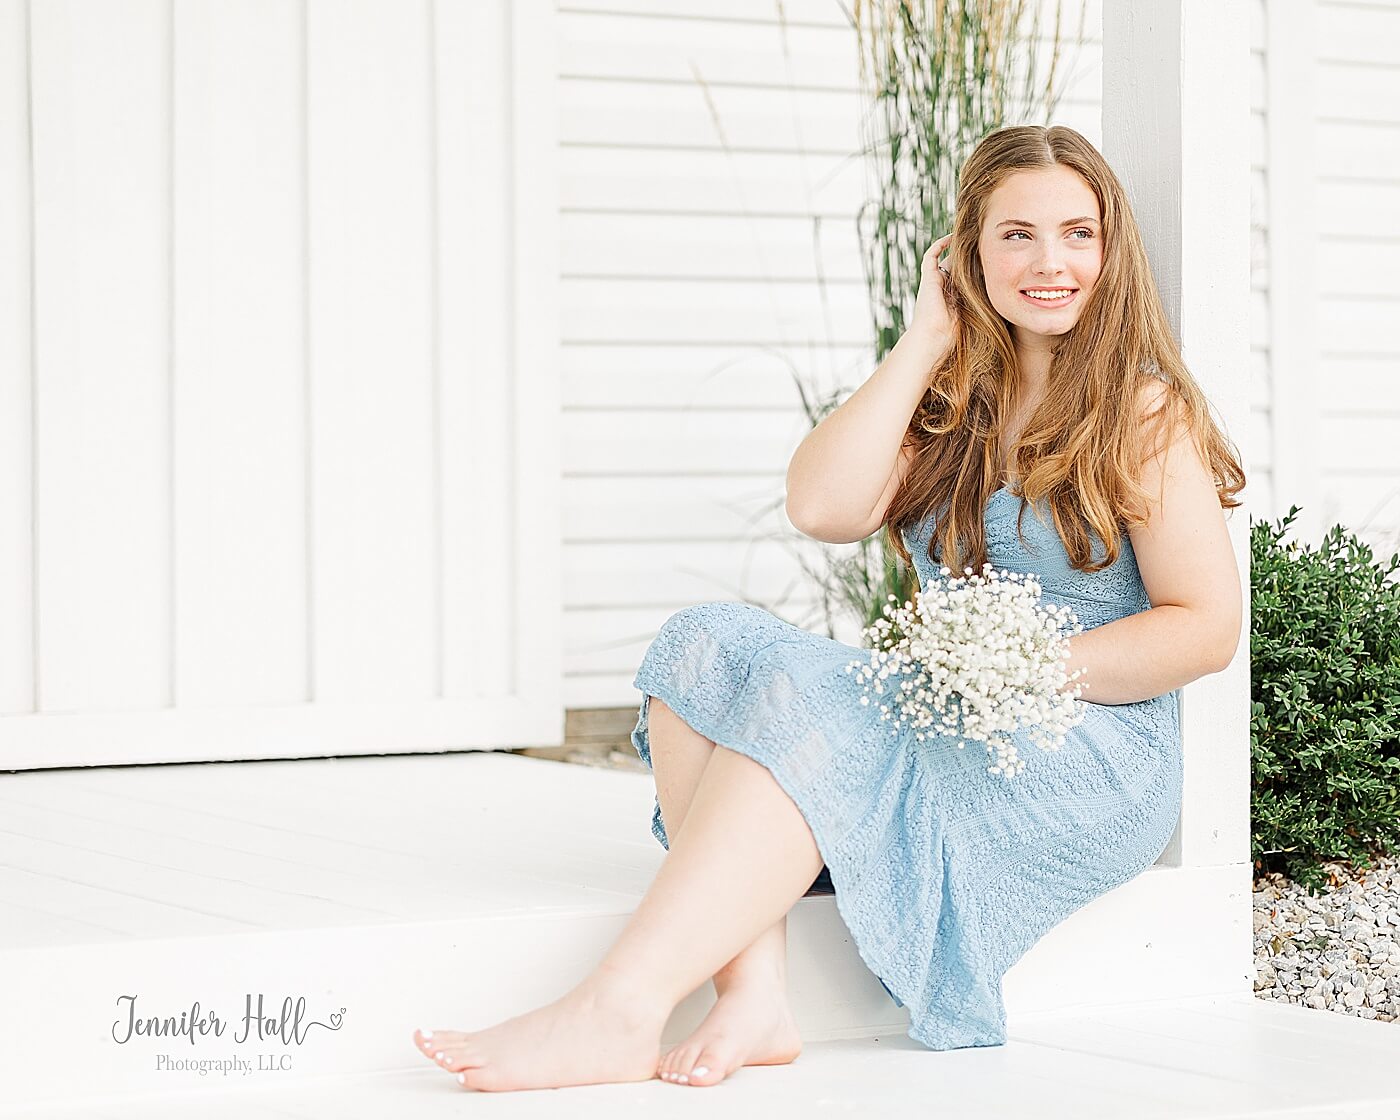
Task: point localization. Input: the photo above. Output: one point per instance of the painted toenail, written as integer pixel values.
(426, 1034)
(438, 1056)
(700, 1071)
(461, 1079)
(683, 1079)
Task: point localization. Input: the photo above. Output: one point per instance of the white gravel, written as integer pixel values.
(1338, 950)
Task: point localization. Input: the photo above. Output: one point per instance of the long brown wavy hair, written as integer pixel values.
(1082, 449)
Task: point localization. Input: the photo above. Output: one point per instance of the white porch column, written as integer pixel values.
(1175, 129)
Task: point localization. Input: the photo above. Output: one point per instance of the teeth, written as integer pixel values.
(1050, 295)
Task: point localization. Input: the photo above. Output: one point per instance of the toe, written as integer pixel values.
(478, 1078)
(455, 1058)
(706, 1070)
(683, 1057)
(432, 1041)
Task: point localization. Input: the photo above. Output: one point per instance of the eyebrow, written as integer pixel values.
(1066, 222)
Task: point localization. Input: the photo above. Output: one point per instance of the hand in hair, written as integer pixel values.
(933, 320)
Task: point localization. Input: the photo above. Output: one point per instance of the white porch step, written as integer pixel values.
(1214, 1058)
(450, 890)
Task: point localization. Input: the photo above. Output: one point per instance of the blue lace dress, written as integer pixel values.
(943, 873)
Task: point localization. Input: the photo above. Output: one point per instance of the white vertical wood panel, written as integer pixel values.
(473, 193)
(242, 391)
(239, 394)
(535, 465)
(16, 367)
(102, 458)
(374, 455)
(1177, 130)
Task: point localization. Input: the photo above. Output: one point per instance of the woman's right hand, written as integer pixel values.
(932, 320)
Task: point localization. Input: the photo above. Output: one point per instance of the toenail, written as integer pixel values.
(426, 1034)
(461, 1079)
(700, 1071)
(683, 1079)
(438, 1056)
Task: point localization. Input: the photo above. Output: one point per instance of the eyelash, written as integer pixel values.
(1083, 229)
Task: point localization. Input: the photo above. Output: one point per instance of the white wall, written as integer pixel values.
(709, 253)
(278, 379)
(1355, 390)
(690, 279)
(1326, 371)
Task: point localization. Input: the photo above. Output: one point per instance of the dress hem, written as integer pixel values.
(860, 935)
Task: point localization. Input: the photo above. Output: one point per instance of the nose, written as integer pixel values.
(1048, 263)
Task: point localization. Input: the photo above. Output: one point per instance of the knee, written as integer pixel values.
(687, 618)
(711, 615)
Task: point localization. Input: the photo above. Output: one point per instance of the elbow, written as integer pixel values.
(797, 516)
(1225, 651)
(1220, 663)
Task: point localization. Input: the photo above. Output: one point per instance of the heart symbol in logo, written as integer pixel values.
(336, 1020)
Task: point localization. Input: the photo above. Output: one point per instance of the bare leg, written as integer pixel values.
(751, 1022)
(743, 858)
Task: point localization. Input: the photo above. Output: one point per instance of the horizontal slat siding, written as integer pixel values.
(625, 180)
(715, 247)
(673, 375)
(736, 313)
(1358, 195)
(1258, 455)
(709, 194)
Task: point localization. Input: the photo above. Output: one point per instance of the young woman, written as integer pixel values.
(1038, 373)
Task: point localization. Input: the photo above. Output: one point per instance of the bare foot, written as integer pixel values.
(579, 1039)
(749, 1025)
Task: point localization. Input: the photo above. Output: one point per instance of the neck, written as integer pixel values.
(1033, 370)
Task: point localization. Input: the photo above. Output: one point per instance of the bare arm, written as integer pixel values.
(844, 473)
(1189, 571)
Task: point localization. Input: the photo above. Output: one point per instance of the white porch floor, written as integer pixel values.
(309, 879)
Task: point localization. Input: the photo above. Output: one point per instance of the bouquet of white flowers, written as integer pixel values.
(981, 657)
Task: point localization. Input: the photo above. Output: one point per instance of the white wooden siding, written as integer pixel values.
(1358, 196)
(1257, 452)
(709, 253)
(1327, 391)
(292, 299)
(709, 191)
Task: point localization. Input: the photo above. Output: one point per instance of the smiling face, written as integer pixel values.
(1041, 231)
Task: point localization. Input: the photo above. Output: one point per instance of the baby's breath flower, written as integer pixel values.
(980, 658)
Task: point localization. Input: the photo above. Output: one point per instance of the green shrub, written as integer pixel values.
(1325, 704)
